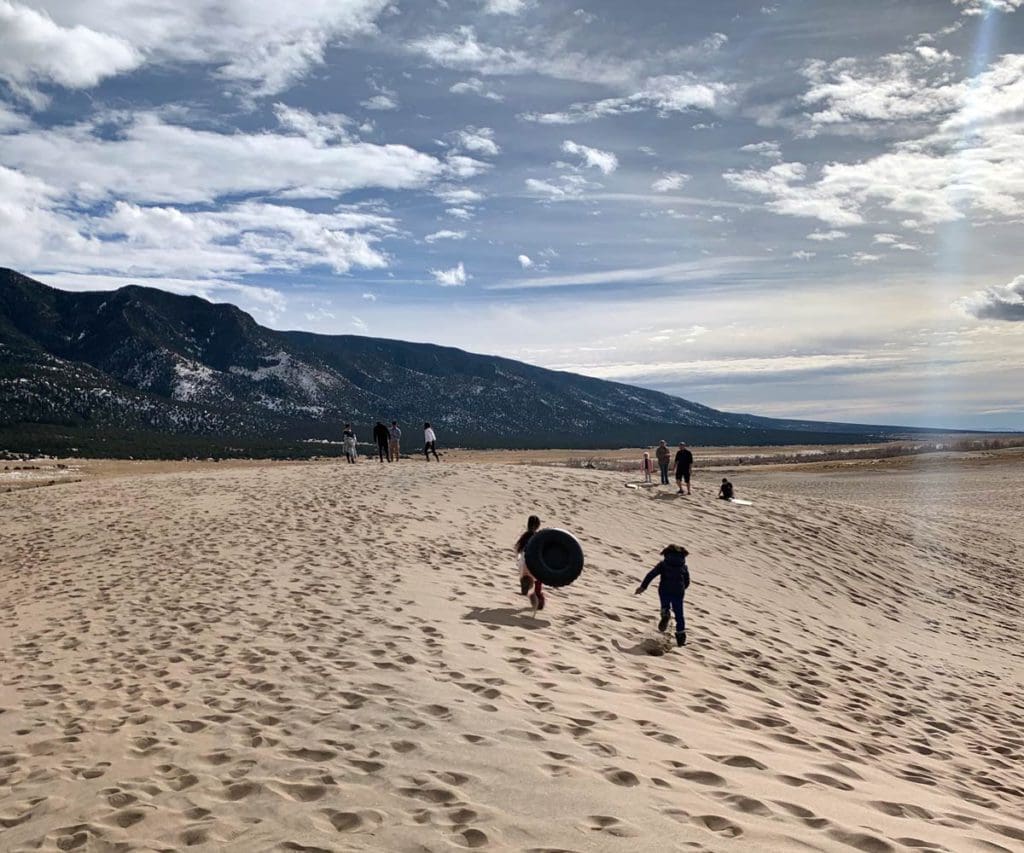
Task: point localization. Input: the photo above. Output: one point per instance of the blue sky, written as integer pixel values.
(806, 209)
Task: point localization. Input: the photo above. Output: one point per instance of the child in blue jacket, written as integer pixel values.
(674, 579)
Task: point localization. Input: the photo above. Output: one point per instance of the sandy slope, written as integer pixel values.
(324, 657)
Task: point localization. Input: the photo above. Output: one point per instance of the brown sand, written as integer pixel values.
(328, 657)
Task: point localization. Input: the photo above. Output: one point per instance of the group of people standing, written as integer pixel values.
(683, 465)
(388, 441)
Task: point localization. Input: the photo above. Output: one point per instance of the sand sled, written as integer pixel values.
(741, 502)
(554, 557)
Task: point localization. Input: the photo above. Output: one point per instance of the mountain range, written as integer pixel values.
(146, 371)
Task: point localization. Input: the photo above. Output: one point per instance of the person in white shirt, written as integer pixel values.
(429, 442)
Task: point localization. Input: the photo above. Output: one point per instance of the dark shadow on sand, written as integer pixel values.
(645, 648)
(512, 617)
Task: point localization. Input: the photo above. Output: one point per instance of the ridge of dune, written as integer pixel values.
(329, 657)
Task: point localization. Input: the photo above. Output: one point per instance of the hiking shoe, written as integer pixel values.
(524, 585)
(680, 638)
(663, 621)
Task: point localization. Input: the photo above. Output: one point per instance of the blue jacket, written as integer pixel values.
(675, 576)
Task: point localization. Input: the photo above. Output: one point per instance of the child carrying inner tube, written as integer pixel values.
(528, 584)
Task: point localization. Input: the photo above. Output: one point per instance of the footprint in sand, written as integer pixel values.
(718, 825)
(610, 826)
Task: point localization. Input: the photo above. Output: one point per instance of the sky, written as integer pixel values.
(804, 209)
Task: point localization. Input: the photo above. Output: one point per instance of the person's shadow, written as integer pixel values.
(511, 617)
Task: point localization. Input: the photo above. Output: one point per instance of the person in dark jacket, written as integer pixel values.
(684, 464)
(664, 455)
(674, 579)
(383, 438)
(726, 491)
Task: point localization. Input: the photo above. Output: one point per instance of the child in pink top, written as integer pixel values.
(648, 466)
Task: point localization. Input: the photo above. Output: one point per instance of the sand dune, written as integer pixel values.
(328, 657)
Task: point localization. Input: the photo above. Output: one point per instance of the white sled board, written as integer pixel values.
(741, 502)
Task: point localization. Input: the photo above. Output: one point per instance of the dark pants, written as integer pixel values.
(431, 447)
(383, 449)
(675, 601)
(664, 473)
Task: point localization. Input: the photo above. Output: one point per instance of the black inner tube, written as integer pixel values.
(554, 557)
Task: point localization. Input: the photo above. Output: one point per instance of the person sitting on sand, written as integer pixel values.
(648, 467)
(725, 491)
(528, 584)
(348, 443)
(674, 579)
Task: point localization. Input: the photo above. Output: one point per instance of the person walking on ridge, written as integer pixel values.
(381, 436)
(395, 441)
(684, 465)
(664, 456)
(429, 442)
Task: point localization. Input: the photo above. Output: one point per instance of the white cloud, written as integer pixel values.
(381, 102)
(666, 94)
(445, 234)
(670, 182)
(38, 231)
(525, 262)
(981, 7)
(200, 165)
(768, 150)
(455, 277)
(827, 235)
(475, 86)
(320, 128)
(912, 87)
(504, 7)
(36, 50)
(560, 188)
(263, 45)
(863, 258)
(370, 297)
(706, 269)
(605, 161)
(1004, 302)
(460, 166)
(359, 325)
(479, 140)
(802, 255)
(941, 177)
(461, 50)
(11, 121)
(793, 199)
(893, 241)
(458, 196)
